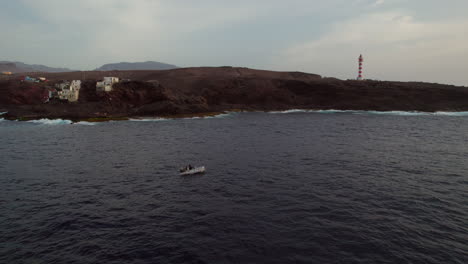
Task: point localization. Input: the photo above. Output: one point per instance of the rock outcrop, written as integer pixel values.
(203, 90)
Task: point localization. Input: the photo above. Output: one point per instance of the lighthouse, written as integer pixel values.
(361, 60)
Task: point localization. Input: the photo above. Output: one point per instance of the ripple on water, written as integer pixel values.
(280, 188)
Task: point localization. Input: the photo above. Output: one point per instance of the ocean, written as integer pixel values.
(282, 187)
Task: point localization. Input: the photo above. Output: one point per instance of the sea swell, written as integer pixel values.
(281, 188)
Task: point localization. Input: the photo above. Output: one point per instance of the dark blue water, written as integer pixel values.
(280, 188)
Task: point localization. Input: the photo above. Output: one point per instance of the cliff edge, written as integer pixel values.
(203, 90)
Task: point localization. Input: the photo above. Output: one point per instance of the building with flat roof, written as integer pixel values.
(107, 84)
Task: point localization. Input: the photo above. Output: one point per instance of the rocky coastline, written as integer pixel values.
(207, 91)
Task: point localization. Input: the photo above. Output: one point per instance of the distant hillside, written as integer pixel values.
(132, 66)
(19, 67)
(9, 67)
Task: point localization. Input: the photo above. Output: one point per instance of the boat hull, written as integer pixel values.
(194, 171)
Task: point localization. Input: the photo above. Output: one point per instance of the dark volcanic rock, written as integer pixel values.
(21, 93)
(202, 90)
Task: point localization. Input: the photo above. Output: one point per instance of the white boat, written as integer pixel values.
(193, 171)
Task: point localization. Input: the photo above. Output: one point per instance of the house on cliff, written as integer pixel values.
(69, 91)
(107, 84)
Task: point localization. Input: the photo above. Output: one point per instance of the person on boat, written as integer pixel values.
(190, 167)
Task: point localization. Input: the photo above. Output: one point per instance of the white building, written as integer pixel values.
(106, 84)
(70, 91)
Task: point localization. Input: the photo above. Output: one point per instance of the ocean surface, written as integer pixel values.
(284, 187)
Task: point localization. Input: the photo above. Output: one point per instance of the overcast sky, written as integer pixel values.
(407, 40)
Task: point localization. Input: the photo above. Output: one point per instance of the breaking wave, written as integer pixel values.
(46, 121)
(147, 119)
(158, 119)
(2, 113)
(362, 112)
(223, 115)
(85, 123)
(451, 113)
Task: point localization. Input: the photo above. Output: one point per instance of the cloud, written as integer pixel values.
(89, 32)
(316, 36)
(396, 46)
(378, 2)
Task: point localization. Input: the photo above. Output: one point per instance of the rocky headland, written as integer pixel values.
(199, 91)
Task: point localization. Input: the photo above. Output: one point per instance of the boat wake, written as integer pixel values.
(362, 112)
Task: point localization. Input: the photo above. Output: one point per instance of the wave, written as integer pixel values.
(223, 115)
(158, 119)
(291, 111)
(363, 112)
(46, 121)
(331, 111)
(451, 113)
(148, 119)
(399, 113)
(85, 123)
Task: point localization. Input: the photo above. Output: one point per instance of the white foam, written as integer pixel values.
(451, 113)
(46, 121)
(2, 113)
(291, 111)
(330, 111)
(85, 123)
(223, 115)
(333, 111)
(362, 112)
(148, 119)
(399, 113)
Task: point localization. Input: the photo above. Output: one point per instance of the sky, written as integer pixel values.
(401, 40)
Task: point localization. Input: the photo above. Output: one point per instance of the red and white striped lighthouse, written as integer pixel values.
(361, 60)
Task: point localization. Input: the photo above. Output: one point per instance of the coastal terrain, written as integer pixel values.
(208, 90)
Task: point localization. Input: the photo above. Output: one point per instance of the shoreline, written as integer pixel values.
(220, 113)
(200, 92)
